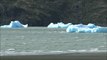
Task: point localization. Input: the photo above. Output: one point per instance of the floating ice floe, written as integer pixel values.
(58, 25)
(15, 24)
(90, 28)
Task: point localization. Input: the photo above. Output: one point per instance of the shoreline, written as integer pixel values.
(62, 56)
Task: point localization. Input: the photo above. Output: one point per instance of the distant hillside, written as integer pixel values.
(42, 12)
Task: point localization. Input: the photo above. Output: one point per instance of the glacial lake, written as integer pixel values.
(37, 40)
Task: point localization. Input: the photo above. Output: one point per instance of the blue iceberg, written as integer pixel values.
(100, 29)
(15, 24)
(90, 25)
(58, 25)
(90, 28)
(71, 28)
(52, 25)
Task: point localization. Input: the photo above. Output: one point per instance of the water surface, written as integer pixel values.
(42, 39)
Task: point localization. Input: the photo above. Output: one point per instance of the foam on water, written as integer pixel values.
(42, 52)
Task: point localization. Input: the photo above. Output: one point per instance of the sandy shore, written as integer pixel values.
(63, 56)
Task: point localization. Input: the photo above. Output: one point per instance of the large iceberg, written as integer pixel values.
(79, 28)
(15, 24)
(90, 28)
(58, 25)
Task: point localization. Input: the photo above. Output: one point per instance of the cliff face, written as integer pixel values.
(42, 12)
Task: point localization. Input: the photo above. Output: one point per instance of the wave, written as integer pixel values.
(42, 52)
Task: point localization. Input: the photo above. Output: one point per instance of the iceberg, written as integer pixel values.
(71, 28)
(52, 25)
(58, 25)
(62, 25)
(15, 24)
(89, 28)
(90, 25)
(100, 29)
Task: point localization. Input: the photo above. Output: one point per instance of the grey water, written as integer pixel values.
(42, 39)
